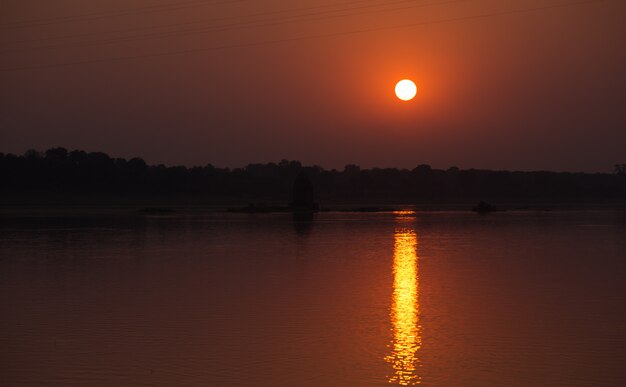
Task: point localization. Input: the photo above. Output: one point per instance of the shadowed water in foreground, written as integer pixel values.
(405, 298)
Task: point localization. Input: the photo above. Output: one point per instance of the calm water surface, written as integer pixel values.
(440, 299)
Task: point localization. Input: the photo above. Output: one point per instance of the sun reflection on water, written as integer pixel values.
(405, 310)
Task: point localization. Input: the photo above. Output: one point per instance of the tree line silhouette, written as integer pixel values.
(59, 173)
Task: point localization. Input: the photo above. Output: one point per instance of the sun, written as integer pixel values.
(406, 90)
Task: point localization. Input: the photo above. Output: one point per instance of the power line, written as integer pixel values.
(238, 17)
(308, 37)
(107, 14)
(243, 25)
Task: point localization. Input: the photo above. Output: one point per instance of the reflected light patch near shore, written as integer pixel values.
(405, 311)
(404, 214)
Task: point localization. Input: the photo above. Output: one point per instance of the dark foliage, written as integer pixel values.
(58, 173)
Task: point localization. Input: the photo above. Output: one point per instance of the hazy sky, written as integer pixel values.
(516, 84)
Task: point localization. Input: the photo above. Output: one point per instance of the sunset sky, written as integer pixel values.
(516, 84)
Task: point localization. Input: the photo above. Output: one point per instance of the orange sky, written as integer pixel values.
(519, 84)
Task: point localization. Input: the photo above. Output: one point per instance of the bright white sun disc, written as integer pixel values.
(406, 89)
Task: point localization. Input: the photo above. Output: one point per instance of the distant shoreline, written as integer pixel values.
(58, 177)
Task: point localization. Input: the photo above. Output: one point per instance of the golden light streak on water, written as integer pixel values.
(405, 311)
(408, 213)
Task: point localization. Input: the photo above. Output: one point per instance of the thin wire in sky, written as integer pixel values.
(107, 14)
(268, 22)
(308, 37)
(325, 8)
